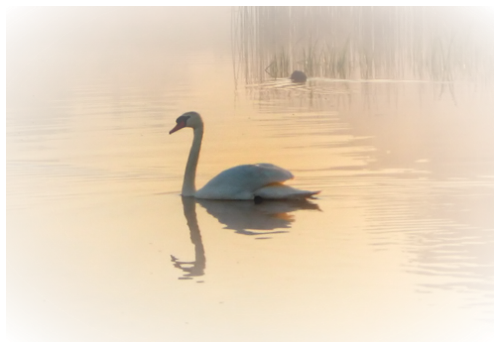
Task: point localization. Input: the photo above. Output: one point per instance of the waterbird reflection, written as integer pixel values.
(243, 217)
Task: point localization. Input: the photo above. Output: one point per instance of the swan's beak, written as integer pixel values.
(178, 126)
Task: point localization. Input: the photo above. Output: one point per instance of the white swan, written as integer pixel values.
(244, 182)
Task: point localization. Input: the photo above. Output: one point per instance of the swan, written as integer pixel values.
(244, 182)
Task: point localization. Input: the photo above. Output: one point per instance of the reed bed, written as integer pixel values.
(423, 43)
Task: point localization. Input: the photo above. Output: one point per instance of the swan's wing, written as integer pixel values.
(242, 181)
(283, 192)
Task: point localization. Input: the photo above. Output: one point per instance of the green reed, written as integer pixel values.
(336, 61)
(279, 62)
(439, 63)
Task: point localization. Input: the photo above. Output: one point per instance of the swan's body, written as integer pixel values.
(244, 182)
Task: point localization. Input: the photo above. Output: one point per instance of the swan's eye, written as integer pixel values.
(182, 118)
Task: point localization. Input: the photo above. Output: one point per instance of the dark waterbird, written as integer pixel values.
(298, 76)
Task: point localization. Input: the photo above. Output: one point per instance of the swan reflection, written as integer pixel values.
(244, 217)
(197, 267)
(250, 218)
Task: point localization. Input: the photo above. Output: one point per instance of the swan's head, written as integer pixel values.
(190, 119)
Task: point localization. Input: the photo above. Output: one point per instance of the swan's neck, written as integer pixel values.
(188, 187)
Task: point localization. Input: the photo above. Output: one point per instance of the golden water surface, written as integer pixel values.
(101, 246)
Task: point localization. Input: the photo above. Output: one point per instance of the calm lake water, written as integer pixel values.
(101, 246)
